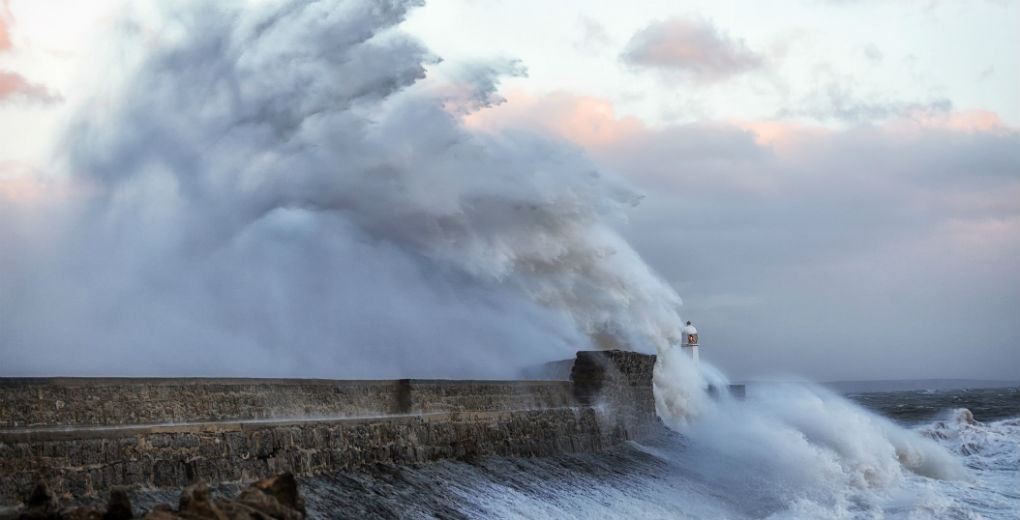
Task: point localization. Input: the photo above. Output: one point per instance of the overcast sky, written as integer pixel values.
(832, 187)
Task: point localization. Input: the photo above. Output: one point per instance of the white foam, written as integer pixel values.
(801, 451)
(787, 452)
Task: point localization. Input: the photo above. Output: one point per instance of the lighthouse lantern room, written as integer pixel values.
(690, 344)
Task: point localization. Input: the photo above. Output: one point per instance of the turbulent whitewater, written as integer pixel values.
(791, 452)
(837, 465)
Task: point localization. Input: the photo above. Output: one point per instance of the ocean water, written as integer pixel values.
(786, 451)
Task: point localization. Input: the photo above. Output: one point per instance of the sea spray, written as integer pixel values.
(688, 476)
(807, 450)
(679, 388)
(286, 188)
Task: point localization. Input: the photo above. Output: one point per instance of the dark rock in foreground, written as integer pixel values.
(275, 497)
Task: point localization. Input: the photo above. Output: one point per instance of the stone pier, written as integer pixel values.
(84, 435)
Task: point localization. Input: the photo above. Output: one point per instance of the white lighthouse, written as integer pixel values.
(690, 344)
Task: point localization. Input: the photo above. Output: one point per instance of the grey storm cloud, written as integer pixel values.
(885, 250)
(873, 53)
(594, 36)
(839, 97)
(693, 47)
(483, 79)
(278, 194)
(863, 255)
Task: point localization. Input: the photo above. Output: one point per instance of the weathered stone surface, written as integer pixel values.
(284, 489)
(277, 497)
(160, 512)
(119, 506)
(274, 498)
(196, 502)
(251, 504)
(609, 401)
(53, 402)
(168, 458)
(620, 385)
(81, 513)
(41, 503)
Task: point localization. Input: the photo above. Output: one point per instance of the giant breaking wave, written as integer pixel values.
(287, 189)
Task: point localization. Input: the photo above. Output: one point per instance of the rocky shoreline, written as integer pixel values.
(272, 498)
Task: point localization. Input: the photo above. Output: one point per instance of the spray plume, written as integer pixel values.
(279, 190)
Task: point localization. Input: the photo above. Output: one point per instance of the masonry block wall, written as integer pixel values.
(83, 435)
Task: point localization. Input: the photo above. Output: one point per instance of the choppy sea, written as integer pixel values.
(786, 451)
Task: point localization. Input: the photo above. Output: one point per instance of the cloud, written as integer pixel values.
(839, 97)
(905, 225)
(872, 52)
(6, 20)
(691, 47)
(470, 87)
(594, 36)
(5, 33)
(963, 122)
(586, 120)
(15, 88)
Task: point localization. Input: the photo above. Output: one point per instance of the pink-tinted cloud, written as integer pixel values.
(14, 87)
(29, 191)
(23, 185)
(593, 123)
(5, 36)
(690, 46)
(783, 137)
(586, 120)
(5, 31)
(946, 161)
(968, 122)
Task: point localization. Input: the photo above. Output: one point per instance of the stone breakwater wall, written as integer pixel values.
(83, 435)
(82, 402)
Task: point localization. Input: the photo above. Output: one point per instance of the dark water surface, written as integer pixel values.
(916, 407)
